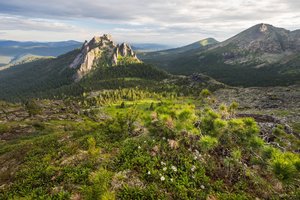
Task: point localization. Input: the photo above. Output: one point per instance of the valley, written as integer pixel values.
(210, 120)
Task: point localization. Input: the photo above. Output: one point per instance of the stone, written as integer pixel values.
(97, 49)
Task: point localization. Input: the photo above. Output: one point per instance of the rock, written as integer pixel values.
(99, 49)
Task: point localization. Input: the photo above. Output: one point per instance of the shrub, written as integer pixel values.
(208, 143)
(32, 107)
(207, 121)
(285, 166)
(205, 93)
(99, 183)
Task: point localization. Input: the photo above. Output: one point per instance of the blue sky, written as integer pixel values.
(172, 22)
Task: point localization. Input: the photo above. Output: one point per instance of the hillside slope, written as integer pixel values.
(164, 57)
(262, 55)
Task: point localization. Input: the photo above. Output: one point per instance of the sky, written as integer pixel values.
(170, 22)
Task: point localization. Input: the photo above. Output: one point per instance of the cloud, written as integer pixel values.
(168, 21)
(21, 23)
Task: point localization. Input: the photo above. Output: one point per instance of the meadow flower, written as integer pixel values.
(174, 168)
(171, 180)
(162, 163)
(193, 168)
(149, 172)
(202, 187)
(165, 168)
(139, 147)
(164, 138)
(145, 141)
(162, 178)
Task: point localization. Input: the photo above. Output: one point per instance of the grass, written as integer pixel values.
(145, 149)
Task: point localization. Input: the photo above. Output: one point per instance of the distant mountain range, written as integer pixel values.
(14, 52)
(262, 55)
(11, 51)
(147, 47)
(259, 56)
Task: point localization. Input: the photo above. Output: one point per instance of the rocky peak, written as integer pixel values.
(262, 44)
(99, 49)
(123, 50)
(263, 28)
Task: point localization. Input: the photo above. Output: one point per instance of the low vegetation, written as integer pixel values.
(137, 144)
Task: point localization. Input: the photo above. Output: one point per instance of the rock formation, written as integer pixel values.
(99, 51)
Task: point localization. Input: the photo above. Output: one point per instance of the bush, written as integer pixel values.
(99, 183)
(208, 143)
(286, 166)
(32, 107)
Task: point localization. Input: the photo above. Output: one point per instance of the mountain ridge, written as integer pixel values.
(261, 50)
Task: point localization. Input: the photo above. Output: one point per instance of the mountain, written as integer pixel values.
(100, 64)
(76, 71)
(259, 56)
(165, 56)
(147, 47)
(11, 50)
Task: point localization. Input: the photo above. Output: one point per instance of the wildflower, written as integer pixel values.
(202, 187)
(174, 168)
(153, 140)
(139, 147)
(145, 141)
(162, 178)
(195, 157)
(193, 168)
(149, 172)
(193, 177)
(162, 163)
(171, 180)
(165, 168)
(164, 138)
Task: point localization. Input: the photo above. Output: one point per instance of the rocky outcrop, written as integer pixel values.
(99, 51)
(123, 50)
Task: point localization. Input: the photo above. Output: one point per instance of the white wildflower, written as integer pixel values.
(202, 187)
(162, 163)
(164, 138)
(174, 168)
(195, 157)
(165, 168)
(193, 168)
(171, 180)
(145, 141)
(139, 147)
(162, 178)
(149, 172)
